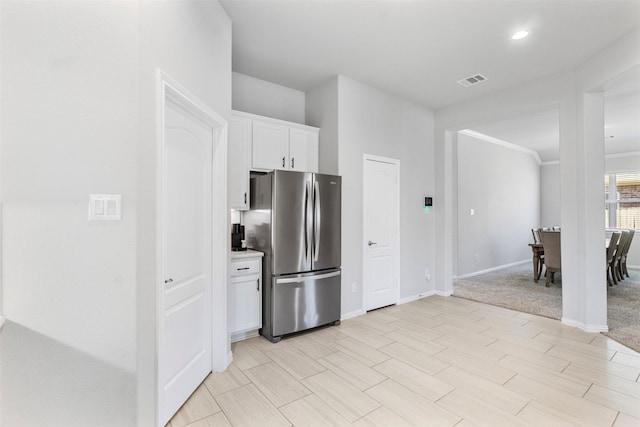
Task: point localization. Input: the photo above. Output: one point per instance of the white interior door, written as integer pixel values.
(185, 323)
(381, 225)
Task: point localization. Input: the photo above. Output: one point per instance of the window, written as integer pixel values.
(622, 200)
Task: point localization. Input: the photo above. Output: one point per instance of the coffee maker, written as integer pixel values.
(237, 238)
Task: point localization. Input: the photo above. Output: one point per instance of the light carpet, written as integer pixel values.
(514, 288)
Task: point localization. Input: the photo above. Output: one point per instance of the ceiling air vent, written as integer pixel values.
(472, 80)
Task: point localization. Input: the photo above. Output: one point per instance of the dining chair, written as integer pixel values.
(552, 254)
(538, 264)
(622, 264)
(615, 263)
(611, 253)
(536, 235)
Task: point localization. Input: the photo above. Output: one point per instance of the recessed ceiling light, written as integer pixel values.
(520, 35)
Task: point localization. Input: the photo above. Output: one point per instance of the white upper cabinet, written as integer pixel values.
(239, 161)
(270, 147)
(277, 144)
(263, 144)
(303, 150)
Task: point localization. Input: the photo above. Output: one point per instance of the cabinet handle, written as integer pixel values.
(283, 162)
(242, 268)
(168, 281)
(292, 163)
(258, 285)
(245, 198)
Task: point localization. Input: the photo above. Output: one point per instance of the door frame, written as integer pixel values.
(396, 243)
(169, 90)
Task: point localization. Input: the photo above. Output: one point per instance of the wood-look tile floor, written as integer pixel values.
(438, 361)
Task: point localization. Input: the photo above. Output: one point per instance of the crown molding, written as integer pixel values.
(502, 143)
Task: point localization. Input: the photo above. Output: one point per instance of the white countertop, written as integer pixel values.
(249, 253)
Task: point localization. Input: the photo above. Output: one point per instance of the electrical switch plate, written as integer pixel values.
(105, 207)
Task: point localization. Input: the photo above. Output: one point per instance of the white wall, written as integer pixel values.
(78, 116)
(1, 199)
(268, 99)
(582, 157)
(502, 186)
(321, 112)
(69, 128)
(526, 99)
(374, 122)
(550, 199)
(191, 42)
(622, 163)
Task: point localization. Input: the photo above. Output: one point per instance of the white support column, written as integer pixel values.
(594, 225)
(569, 209)
(443, 204)
(584, 299)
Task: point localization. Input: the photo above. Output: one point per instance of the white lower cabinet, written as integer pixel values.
(245, 295)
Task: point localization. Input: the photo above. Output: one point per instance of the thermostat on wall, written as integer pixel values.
(105, 207)
(428, 202)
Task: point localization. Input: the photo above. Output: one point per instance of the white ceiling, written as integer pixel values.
(540, 131)
(418, 49)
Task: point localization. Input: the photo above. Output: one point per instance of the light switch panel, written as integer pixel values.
(105, 207)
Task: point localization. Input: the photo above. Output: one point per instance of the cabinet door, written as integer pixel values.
(270, 148)
(303, 150)
(246, 303)
(239, 157)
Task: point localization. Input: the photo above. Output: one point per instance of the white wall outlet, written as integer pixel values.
(427, 274)
(354, 288)
(472, 212)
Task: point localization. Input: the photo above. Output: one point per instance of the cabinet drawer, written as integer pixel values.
(245, 267)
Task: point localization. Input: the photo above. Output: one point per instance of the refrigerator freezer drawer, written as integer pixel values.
(305, 301)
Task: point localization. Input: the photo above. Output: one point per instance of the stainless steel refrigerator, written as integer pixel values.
(294, 218)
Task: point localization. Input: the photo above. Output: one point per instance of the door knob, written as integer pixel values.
(372, 243)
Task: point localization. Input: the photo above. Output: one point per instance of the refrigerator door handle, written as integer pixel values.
(308, 221)
(300, 279)
(317, 218)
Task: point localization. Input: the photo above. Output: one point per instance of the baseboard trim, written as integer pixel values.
(587, 328)
(415, 297)
(443, 293)
(229, 359)
(425, 295)
(240, 336)
(489, 270)
(353, 314)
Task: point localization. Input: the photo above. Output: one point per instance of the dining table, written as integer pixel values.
(538, 250)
